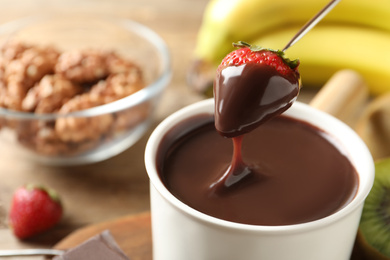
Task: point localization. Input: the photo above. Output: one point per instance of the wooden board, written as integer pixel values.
(133, 234)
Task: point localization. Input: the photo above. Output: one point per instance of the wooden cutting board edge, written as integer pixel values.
(132, 233)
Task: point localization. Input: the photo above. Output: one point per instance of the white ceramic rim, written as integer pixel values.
(139, 97)
(305, 112)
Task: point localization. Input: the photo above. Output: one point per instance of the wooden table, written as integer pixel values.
(118, 186)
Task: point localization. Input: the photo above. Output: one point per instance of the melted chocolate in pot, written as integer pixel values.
(284, 172)
(295, 174)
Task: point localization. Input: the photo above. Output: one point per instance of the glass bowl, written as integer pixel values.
(85, 132)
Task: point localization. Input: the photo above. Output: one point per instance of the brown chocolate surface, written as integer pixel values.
(296, 174)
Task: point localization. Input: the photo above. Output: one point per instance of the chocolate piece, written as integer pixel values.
(102, 246)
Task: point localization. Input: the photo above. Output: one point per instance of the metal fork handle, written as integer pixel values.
(30, 252)
(311, 23)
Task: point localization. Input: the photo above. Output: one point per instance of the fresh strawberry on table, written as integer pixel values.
(34, 209)
(252, 85)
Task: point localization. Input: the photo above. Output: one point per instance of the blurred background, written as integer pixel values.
(198, 33)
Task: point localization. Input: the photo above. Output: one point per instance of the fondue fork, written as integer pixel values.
(30, 252)
(311, 23)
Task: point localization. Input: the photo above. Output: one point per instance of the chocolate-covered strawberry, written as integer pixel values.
(252, 85)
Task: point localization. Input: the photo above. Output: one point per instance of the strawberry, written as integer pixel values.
(252, 85)
(34, 209)
(251, 53)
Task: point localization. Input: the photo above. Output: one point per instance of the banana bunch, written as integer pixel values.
(354, 35)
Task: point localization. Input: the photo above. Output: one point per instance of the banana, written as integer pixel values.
(327, 49)
(353, 35)
(227, 21)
